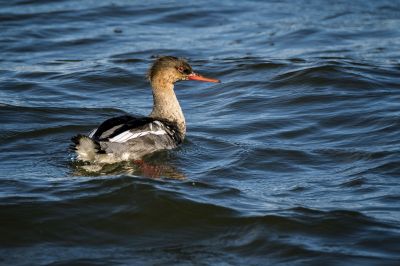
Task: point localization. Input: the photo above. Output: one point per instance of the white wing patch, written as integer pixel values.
(91, 134)
(127, 135)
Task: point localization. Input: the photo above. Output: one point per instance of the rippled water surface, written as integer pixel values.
(293, 159)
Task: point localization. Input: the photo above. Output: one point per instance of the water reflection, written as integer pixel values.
(148, 167)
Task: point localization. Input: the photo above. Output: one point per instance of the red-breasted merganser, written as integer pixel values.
(130, 138)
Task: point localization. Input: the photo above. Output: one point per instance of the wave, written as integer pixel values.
(130, 211)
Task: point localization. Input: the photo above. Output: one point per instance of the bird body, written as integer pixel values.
(130, 138)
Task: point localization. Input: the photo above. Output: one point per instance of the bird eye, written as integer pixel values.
(180, 69)
(184, 70)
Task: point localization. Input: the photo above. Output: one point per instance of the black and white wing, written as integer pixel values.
(137, 131)
(126, 137)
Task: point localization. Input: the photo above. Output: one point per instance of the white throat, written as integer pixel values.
(166, 105)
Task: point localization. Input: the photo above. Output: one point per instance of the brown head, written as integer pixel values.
(171, 69)
(164, 72)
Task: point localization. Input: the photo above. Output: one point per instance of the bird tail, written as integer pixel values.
(86, 148)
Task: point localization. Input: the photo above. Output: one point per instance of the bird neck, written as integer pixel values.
(166, 105)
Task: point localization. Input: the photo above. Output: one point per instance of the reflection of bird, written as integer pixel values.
(130, 138)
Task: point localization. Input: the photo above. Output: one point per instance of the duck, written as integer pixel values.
(128, 137)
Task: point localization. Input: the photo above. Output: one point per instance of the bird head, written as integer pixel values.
(173, 69)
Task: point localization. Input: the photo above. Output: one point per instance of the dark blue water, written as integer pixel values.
(293, 159)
